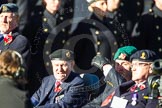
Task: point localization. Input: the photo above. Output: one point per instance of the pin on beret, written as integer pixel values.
(62, 54)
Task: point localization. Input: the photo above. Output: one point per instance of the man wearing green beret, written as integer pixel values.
(63, 89)
(122, 63)
(113, 76)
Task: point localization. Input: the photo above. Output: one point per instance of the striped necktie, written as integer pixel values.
(57, 86)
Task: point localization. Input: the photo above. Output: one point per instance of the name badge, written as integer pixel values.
(118, 102)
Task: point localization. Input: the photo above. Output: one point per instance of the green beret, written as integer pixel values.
(144, 55)
(9, 7)
(62, 54)
(124, 53)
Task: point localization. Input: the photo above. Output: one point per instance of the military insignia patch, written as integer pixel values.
(68, 54)
(122, 56)
(4, 9)
(143, 55)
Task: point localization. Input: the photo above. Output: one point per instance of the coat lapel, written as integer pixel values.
(124, 88)
(47, 89)
(5, 47)
(64, 86)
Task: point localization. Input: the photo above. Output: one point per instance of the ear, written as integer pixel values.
(72, 63)
(150, 69)
(90, 8)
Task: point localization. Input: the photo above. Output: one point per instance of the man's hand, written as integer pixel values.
(99, 61)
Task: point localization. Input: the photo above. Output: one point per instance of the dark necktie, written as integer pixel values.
(57, 86)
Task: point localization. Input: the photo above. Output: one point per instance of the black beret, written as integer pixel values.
(9, 7)
(62, 54)
(144, 55)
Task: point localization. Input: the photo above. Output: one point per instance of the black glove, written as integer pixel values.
(99, 61)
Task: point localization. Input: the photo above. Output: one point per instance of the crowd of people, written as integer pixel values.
(51, 56)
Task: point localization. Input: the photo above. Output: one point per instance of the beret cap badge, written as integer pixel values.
(67, 54)
(4, 8)
(143, 55)
(122, 56)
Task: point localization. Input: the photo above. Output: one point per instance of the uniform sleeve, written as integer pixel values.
(35, 99)
(141, 32)
(113, 78)
(152, 103)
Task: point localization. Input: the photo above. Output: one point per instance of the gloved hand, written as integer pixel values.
(99, 61)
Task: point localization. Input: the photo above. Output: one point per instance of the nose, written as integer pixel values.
(3, 19)
(59, 68)
(105, 6)
(133, 67)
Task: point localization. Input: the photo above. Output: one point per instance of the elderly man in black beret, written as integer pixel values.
(9, 35)
(63, 89)
(131, 94)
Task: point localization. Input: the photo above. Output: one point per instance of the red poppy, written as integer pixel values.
(136, 88)
(142, 86)
(8, 39)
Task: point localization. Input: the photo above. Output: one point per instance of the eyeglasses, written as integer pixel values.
(140, 64)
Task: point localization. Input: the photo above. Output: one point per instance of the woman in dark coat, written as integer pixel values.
(11, 93)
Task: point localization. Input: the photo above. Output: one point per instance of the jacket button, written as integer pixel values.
(45, 30)
(97, 32)
(98, 43)
(45, 19)
(98, 52)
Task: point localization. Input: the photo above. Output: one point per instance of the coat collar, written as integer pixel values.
(14, 35)
(125, 87)
(157, 11)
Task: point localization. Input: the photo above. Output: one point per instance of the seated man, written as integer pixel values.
(64, 89)
(131, 94)
(113, 76)
(122, 63)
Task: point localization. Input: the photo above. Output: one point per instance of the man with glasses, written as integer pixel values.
(114, 76)
(131, 94)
